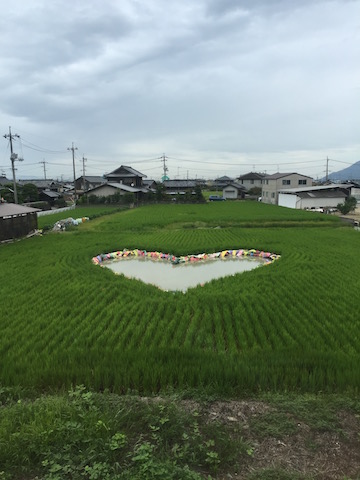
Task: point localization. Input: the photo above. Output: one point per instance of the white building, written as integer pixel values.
(323, 196)
(272, 184)
(233, 191)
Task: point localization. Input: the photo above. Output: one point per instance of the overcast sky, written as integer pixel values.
(221, 87)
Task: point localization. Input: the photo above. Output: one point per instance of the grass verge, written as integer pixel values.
(82, 434)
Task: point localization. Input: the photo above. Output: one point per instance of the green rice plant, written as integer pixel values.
(218, 330)
(230, 327)
(289, 325)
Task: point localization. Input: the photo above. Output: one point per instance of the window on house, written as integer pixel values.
(286, 182)
(302, 182)
(272, 194)
(252, 182)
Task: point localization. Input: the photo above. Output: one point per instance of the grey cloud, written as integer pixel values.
(199, 76)
(260, 7)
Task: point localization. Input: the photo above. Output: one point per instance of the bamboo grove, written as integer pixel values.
(293, 325)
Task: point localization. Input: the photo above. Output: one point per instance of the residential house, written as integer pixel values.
(4, 180)
(221, 182)
(42, 185)
(86, 182)
(174, 187)
(279, 181)
(251, 180)
(126, 175)
(50, 197)
(150, 184)
(112, 188)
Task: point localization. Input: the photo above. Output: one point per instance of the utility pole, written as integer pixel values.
(165, 169)
(13, 157)
(72, 148)
(44, 163)
(84, 160)
(327, 168)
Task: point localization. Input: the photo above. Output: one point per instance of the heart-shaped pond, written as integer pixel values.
(171, 273)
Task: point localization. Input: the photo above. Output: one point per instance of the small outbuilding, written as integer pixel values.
(16, 221)
(234, 191)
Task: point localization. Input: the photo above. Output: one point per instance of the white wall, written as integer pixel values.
(106, 191)
(321, 202)
(288, 200)
(57, 210)
(230, 193)
(291, 200)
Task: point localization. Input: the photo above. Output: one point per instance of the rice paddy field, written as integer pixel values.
(293, 325)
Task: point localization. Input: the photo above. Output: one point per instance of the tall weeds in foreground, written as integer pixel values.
(85, 435)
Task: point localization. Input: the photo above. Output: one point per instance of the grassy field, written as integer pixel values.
(292, 325)
(73, 336)
(87, 211)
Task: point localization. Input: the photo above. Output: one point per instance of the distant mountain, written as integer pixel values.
(349, 173)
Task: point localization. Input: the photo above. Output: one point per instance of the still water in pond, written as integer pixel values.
(170, 277)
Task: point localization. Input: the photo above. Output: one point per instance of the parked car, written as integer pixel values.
(316, 209)
(216, 198)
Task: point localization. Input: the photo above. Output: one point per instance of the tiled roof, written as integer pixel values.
(278, 175)
(322, 194)
(93, 179)
(4, 180)
(39, 183)
(223, 179)
(331, 186)
(119, 186)
(179, 183)
(252, 176)
(125, 171)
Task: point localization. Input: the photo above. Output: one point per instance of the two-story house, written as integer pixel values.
(126, 175)
(251, 180)
(271, 184)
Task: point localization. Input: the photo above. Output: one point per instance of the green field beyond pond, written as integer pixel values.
(293, 325)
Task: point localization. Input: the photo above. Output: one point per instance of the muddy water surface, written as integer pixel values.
(170, 277)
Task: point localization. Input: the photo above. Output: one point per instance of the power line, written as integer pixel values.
(241, 163)
(340, 161)
(37, 148)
